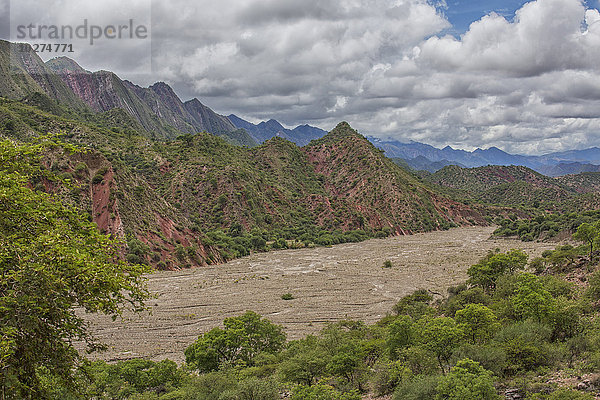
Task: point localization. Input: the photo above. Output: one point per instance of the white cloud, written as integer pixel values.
(528, 85)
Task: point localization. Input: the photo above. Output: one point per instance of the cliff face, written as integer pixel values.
(157, 108)
(23, 73)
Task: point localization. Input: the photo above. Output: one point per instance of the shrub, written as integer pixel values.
(526, 346)
(97, 179)
(287, 296)
(238, 343)
(322, 392)
(419, 388)
(388, 375)
(467, 380)
(490, 357)
(415, 305)
(252, 389)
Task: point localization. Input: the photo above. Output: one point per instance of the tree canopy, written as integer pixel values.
(242, 339)
(53, 261)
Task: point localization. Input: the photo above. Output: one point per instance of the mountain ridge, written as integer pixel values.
(302, 135)
(552, 164)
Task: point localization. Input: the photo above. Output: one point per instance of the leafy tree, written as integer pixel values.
(304, 362)
(467, 380)
(133, 376)
(441, 336)
(346, 362)
(587, 233)
(239, 342)
(460, 300)
(52, 260)
(487, 271)
(532, 300)
(415, 305)
(478, 322)
(400, 335)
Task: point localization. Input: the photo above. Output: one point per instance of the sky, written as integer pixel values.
(521, 76)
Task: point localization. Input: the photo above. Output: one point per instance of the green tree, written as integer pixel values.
(487, 271)
(441, 336)
(532, 300)
(304, 361)
(415, 305)
(400, 335)
(478, 322)
(587, 233)
(242, 339)
(52, 260)
(467, 380)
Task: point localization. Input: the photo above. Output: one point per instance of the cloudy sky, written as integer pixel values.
(522, 76)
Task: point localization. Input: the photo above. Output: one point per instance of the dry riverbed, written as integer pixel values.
(328, 284)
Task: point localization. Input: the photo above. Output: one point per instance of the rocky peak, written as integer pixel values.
(63, 65)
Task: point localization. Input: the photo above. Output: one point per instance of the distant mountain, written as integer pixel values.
(421, 163)
(586, 156)
(568, 168)
(157, 108)
(301, 135)
(553, 164)
(477, 158)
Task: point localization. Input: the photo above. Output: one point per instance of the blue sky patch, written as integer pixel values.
(461, 13)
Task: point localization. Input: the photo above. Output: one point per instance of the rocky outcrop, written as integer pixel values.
(157, 108)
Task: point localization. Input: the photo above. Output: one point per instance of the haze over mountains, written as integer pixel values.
(417, 156)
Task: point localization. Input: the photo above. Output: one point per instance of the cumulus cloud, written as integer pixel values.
(528, 84)
(285, 59)
(84, 25)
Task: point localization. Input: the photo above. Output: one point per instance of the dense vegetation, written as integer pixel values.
(518, 187)
(510, 327)
(51, 261)
(545, 225)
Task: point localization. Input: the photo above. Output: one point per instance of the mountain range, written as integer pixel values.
(157, 109)
(423, 156)
(185, 186)
(301, 135)
(159, 113)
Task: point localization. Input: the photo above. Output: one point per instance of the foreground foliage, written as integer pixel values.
(513, 330)
(51, 261)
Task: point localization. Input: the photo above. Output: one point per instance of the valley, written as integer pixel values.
(327, 284)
